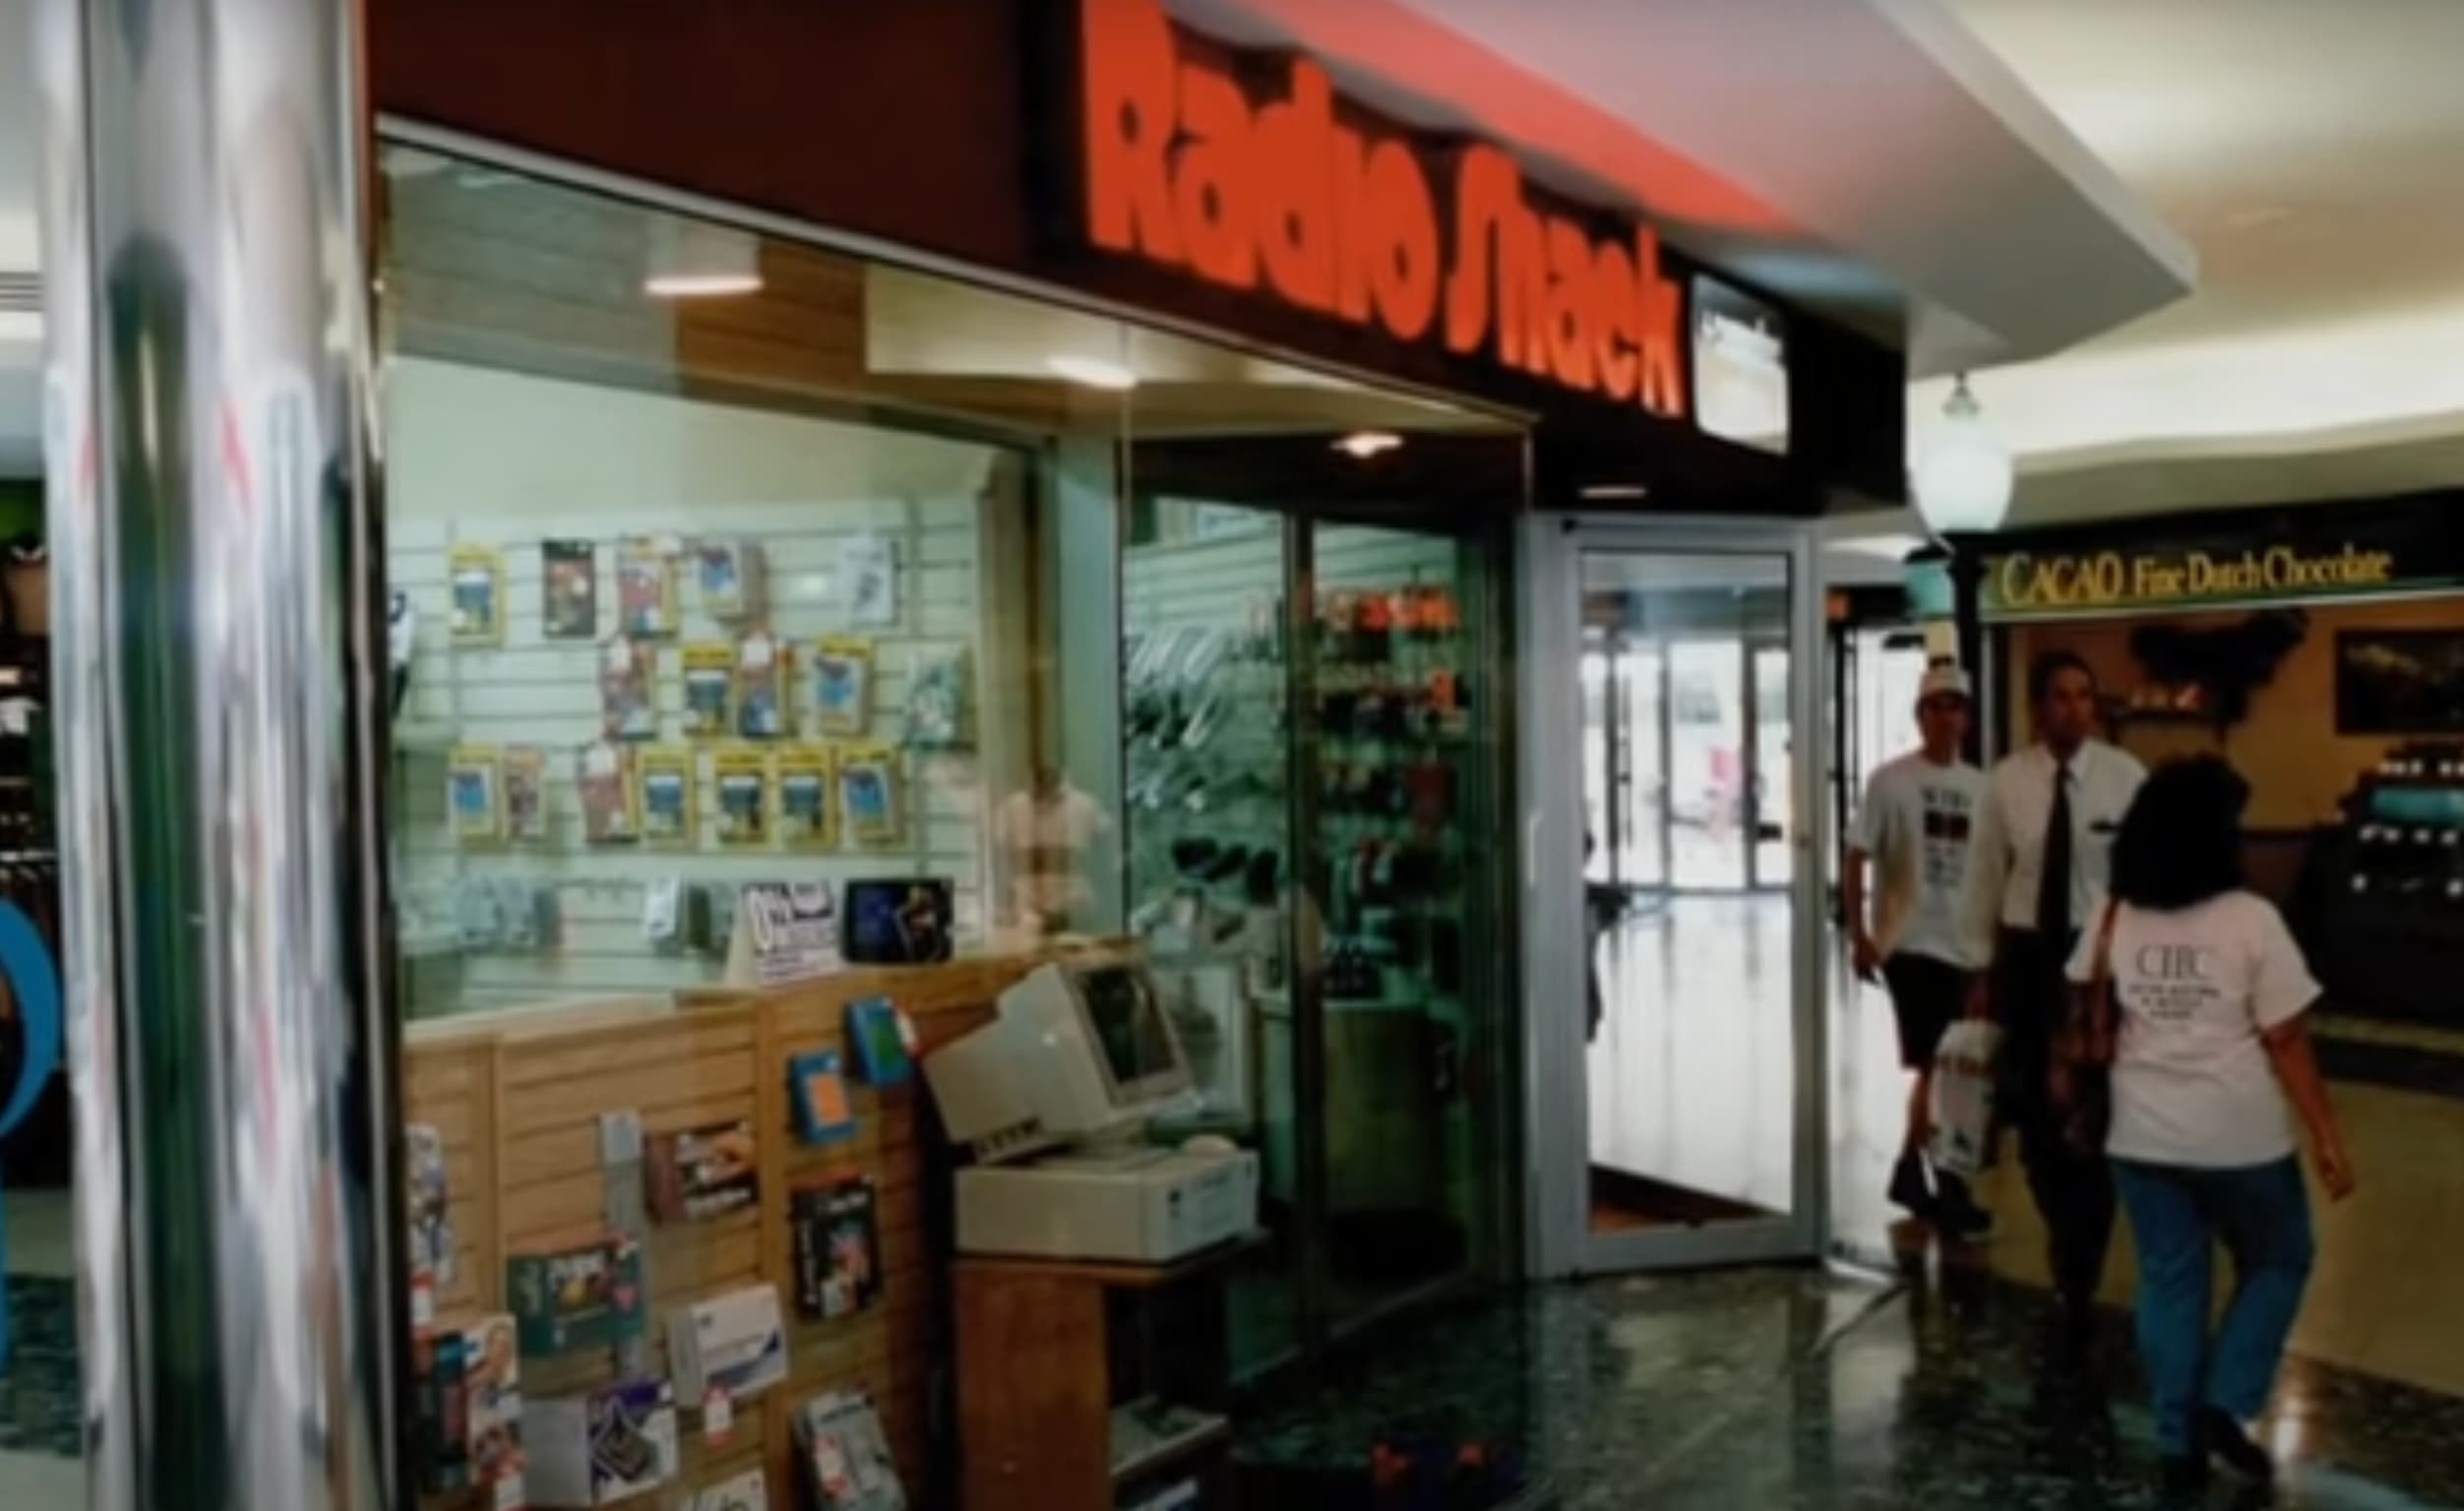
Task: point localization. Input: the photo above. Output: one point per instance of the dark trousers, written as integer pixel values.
(2073, 1187)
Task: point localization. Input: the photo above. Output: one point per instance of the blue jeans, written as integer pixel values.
(2261, 1213)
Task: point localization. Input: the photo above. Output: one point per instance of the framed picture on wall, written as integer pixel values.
(2400, 682)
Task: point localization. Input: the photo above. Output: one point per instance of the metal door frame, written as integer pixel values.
(1560, 1241)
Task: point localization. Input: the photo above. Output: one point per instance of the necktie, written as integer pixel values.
(2053, 881)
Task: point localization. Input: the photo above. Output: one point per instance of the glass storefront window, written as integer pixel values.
(722, 561)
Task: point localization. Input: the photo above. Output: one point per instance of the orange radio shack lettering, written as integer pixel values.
(1283, 200)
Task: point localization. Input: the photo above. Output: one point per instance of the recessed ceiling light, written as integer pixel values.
(1604, 492)
(1094, 373)
(695, 260)
(1361, 445)
(701, 285)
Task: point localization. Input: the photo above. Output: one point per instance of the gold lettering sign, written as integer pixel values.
(2024, 582)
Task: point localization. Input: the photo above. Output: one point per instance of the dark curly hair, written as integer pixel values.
(2181, 842)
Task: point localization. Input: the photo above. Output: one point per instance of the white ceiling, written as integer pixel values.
(2313, 150)
(20, 335)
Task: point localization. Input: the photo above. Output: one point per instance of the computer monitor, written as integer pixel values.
(1080, 1053)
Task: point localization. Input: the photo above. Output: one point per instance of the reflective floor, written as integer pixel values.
(1803, 1388)
(38, 1389)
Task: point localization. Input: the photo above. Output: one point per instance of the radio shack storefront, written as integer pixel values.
(1047, 459)
(2317, 648)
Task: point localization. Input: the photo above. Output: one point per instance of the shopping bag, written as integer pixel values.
(1963, 1096)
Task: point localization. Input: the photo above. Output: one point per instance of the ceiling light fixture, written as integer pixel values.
(1963, 481)
(1362, 445)
(1094, 373)
(1604, 493)
(694, 260)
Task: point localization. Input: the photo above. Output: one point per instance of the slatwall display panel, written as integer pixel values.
(545, 693)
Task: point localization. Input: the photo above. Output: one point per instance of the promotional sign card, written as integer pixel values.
(569, 589)
(477, 574)
(805, 807)
(701, 1173)
(784, 931)
(710, 688)
(586, 1295)
(667, 798)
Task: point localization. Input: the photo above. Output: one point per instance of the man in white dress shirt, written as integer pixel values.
(2037, 877)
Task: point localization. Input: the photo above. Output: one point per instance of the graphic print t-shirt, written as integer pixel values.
(2197, 988)
(1918, 824)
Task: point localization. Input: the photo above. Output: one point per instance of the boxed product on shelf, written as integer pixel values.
(834, 1231)
(736, 1344)
(847, 1465)
(470, 1403)
(748, 1491)
(577, 1297)
(600, 1447)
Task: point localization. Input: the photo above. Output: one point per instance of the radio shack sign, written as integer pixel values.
(1283, 199)
(2024, 584)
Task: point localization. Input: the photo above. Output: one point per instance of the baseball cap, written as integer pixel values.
(1944, 680)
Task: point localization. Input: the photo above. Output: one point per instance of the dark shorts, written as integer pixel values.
(1926, 996)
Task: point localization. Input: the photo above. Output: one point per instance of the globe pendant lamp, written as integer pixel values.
(1964, 480)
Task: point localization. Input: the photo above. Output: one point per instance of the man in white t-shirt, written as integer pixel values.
(1915, 826)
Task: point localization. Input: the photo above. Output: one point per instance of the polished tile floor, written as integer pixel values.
(1745, 1390)
(38, 1390)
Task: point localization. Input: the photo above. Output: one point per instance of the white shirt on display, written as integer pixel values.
(1918, 824)
(2009, 852)
(2198, 990)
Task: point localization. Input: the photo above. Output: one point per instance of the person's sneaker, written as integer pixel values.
(2227, 1441)
(1909, 1188)
(2184, 1476)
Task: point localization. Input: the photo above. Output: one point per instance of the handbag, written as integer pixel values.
(2083, 1056)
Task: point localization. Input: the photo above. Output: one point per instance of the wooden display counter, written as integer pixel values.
(517, 1102)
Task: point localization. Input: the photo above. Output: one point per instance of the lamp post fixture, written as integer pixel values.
(1962, 485)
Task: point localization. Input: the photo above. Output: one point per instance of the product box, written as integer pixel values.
(469, 1401)
(602, 1447)
(845, 1455)
(588, 1296)
(736, 1344)
(698, 1174)
(836, 1234)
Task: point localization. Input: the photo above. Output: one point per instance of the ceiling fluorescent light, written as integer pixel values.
(1362, 445)
(1093, 373)
(694, 260)
(1602, 493)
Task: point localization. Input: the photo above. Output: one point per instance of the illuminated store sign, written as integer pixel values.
(2025, 583)
(1282, 198)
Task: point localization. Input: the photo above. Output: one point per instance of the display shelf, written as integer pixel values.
(424, 736)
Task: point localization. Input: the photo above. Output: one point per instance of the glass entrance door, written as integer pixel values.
(1677, 1096)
